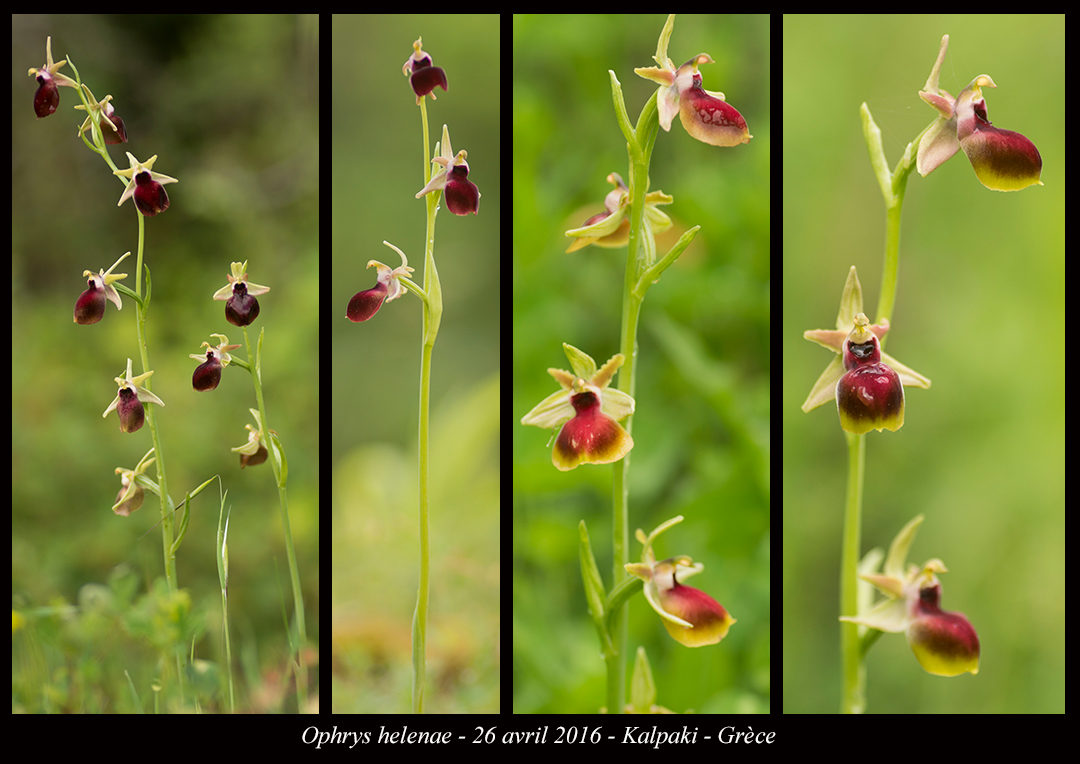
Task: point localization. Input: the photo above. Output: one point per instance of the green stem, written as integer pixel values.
(432, 301)
(893, 187)
(853, 684)
(280, 479)
(636, 261)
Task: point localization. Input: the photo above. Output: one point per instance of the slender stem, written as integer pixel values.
(887, 298)
(280, 479)
(151, 418)
(893, 187)
(432, 319)
(852, 697)
(420, 617)
(641, 242)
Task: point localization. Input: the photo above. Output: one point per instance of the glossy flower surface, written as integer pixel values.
(1003, 160)
(423, 77)
(90, 307)
(870, 395)
(586, 412)
(461, 194)
(690, 615)
(47, 96)
(944, 643)
(866, 382)
(706, 115)
(129, 400)
(241, 307)
(145, 186)
(208, 373)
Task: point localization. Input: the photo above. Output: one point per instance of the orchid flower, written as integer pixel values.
(690, 615)
(866, 383)
(586, 413)
(1003, 160)
(704, 114)
(944, 643)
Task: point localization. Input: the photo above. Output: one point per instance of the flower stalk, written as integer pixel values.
(449, 183)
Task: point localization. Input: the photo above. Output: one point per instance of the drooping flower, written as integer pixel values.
(866, 383)
(241, 307)
(704, 114)
(131, 494)
(47, 96)
(944, 643)
(461, 194)
(611, 228)
(104, 115)
(423, 77)
(690, 615)
(1003, 160)
(586, 412)
(145, 186)
(90, 307)
(208, 373)
(129, 400)
(366, 304)
(253, 452)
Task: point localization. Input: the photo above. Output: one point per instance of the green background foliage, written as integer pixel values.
(979, 310)
(230, 104)
(701, 427)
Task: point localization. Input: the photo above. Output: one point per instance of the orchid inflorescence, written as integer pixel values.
(589, 418)
(868, 387)
(103, 127)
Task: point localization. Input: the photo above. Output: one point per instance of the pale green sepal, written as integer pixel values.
(605, 227)
(617, 404)
(888, 615)
(908, 376)
(550, 412)
(824, 389)
(898, 549)
(582, 363)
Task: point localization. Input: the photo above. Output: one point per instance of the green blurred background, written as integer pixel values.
(378, 168)
(701, 427)
(979, 310)
(230, 106)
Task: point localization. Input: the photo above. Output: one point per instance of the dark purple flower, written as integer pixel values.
(423, 77)
(241, 307)
(47, 96)
(366, 304)
(145, 186)
(208, 373)
(461, 194)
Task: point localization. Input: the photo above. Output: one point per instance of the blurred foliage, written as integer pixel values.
(230, 104)
(701, 427)
(980, 298)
